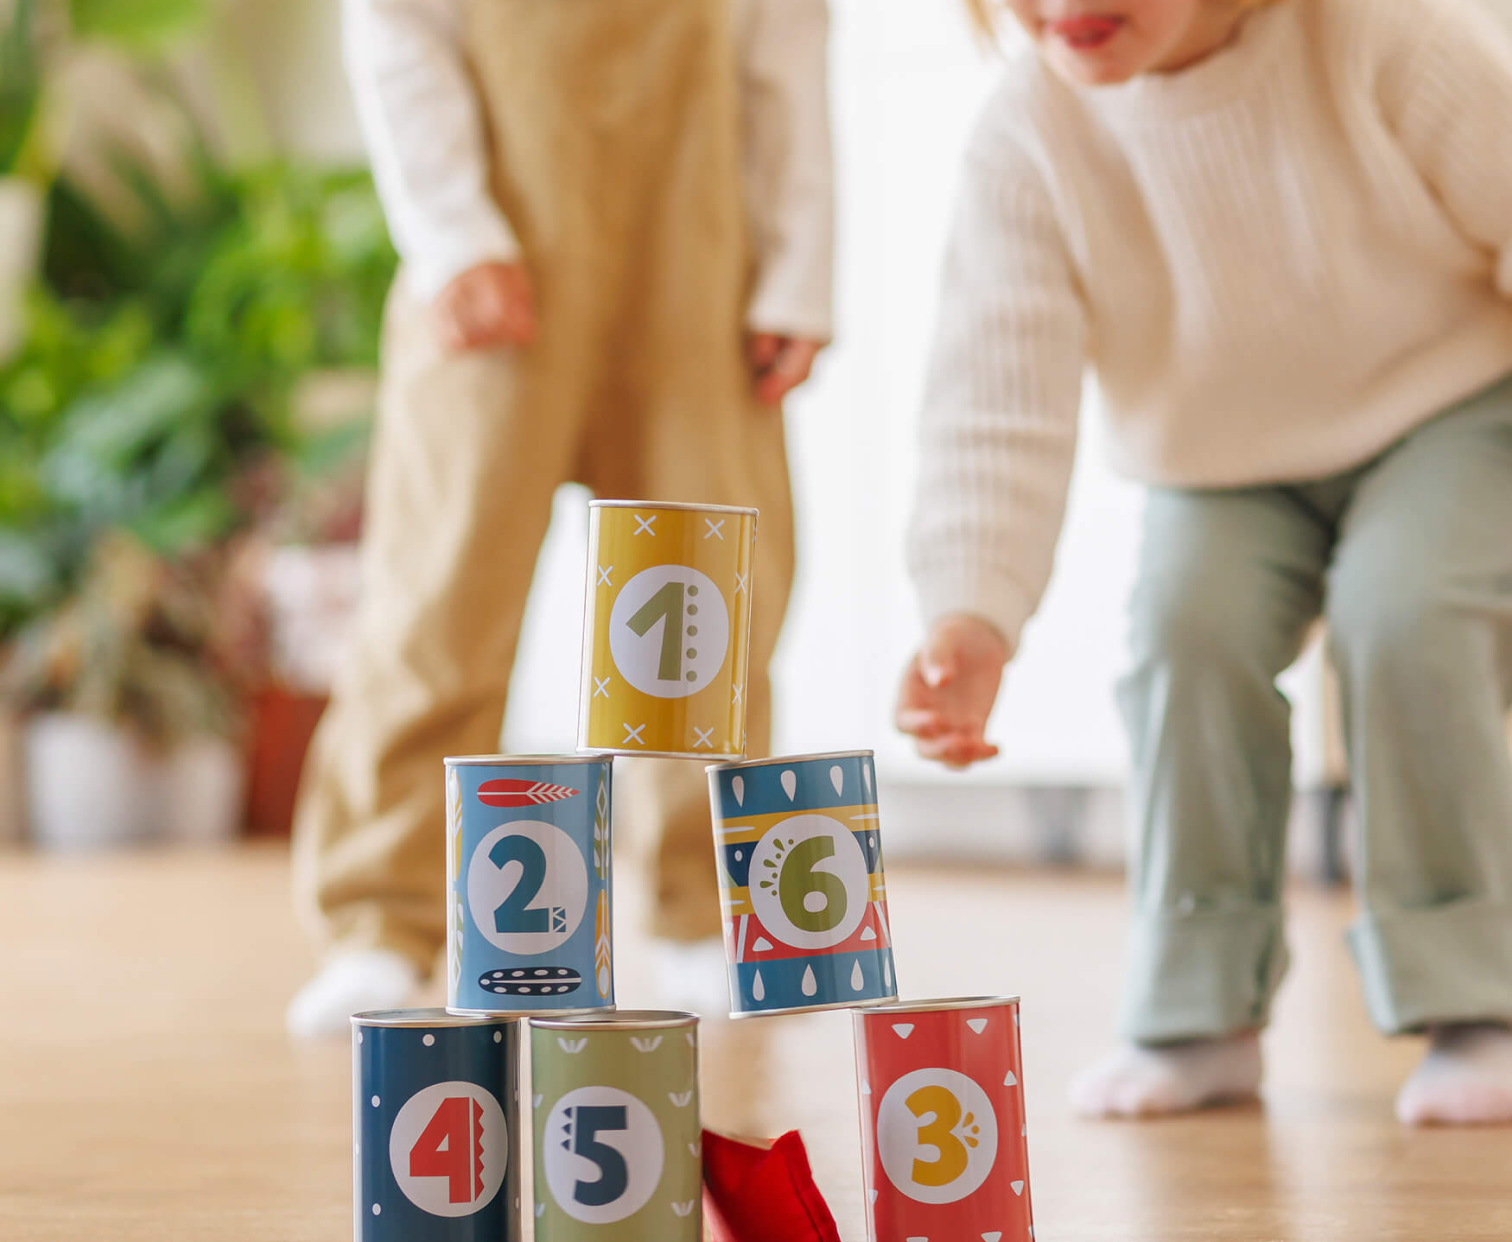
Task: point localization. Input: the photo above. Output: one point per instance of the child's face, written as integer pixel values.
(1102, 42)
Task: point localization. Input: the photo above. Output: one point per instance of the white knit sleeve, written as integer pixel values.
(1446, 87)
(1001, 404)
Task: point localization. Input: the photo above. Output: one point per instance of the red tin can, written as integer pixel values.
(942, 1121)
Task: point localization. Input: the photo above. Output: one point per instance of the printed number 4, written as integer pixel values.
(614, 1175)
(445, 1148)
(666, 605)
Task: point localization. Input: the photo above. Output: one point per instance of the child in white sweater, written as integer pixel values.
(1281, 233)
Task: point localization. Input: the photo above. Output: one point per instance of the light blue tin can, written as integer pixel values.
(801, 883)
(529, 868)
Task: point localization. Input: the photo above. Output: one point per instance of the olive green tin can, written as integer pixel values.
(618, 1142)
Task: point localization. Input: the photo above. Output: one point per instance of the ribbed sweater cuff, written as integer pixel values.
(947, 589)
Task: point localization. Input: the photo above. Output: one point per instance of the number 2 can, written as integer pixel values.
(529, 869)
(942, 1120)
(618, 1140)
(435, 1108)
(801, 885)
(667, 630)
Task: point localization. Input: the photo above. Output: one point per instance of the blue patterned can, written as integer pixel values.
(435, 1127)
(805, 904)
(528, 865)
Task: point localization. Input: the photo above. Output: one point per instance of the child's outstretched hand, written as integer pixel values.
(949, 688)
(489, 305)
(779, 364)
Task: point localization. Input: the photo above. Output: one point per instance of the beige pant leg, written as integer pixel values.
(666, 801)
(465, 462)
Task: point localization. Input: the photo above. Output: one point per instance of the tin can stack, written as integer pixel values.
(440, 1097)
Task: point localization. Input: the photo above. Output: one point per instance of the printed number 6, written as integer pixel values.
(800, 881)
(614, 1174)
(944, 1113)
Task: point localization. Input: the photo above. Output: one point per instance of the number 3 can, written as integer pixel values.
(942, 1120)
(435, 1149)
(617, 1131)
(667, 629)
(528, 855)
(800, 870)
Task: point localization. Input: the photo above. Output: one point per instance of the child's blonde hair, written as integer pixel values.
(984, 13)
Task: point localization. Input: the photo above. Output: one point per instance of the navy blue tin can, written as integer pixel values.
(529, 885)
(435, 1127)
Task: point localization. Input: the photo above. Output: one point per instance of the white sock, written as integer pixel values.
(1135, 1081)
(350, 983)
(1466, 1079)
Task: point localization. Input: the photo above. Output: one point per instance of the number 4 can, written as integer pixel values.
(942, 1120)
(529, 882)
(800, 871)
(617, 1131)
(667, 630)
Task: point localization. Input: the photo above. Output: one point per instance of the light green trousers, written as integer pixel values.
(1409, 559)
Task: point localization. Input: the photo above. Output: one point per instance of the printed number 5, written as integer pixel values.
(614, 1174)
(943, 1111)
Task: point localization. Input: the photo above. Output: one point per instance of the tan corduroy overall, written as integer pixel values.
(616, 131)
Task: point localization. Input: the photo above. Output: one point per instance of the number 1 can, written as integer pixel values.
(667, 629)
(529, 883)
(617, 1131)
(801, 885)
(435, 1135)
(942, 1120)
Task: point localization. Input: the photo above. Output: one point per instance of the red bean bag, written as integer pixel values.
(757, 1190)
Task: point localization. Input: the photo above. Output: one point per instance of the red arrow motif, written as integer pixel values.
(522, 793)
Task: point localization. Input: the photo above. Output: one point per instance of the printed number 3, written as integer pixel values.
(515, 914)
(666, 605)
(800, 882)
(943, 1111)
(614, 1174)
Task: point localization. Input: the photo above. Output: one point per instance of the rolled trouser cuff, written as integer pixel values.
(1436, 964)
(1202, 974)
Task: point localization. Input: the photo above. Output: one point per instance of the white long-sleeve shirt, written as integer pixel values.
(1279, 262)
(423, 123)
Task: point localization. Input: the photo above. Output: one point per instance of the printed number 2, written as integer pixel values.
(800, 881)
(667, 605)
(944, 1113)
(445, 1147)
(614, 1175)
(515, 914)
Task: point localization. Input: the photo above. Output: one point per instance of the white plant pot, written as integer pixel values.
(20, 249)
(93, 785)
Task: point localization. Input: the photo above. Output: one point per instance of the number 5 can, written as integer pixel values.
(942, 1120)
(618, 1154)
(667, 629)
(435, 1107)
(800, 871)
(528, 855)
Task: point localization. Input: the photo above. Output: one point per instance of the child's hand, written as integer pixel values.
(949, 688)
(487, 306)
(779, 364)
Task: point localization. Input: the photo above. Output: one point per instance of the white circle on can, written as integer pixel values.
(937, 1136)
(604, 1154)
(449, 1149)
(802, 871)
(539, 857)
(648, 631)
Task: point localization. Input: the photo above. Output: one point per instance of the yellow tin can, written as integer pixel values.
(667, 629)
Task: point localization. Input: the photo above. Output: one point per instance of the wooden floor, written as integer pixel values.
(147, 1091)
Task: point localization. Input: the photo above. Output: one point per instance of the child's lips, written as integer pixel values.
(1086, 32)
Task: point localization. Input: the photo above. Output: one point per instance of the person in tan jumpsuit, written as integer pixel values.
(607, 300)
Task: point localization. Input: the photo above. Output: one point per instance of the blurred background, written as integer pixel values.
(192, 269)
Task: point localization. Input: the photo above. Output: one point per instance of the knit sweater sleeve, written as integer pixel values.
(1446, 88)
(999, 426)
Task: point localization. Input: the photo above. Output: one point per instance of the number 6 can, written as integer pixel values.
(618, 1141)
(667, 630)
(529, 867)
(942, 1120)
(801, 885)
(435, 1108)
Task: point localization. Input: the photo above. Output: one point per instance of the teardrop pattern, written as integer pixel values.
(810, 985)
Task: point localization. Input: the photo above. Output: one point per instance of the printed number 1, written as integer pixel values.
(667, 605)
(445, 1148)
(614, 1175)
